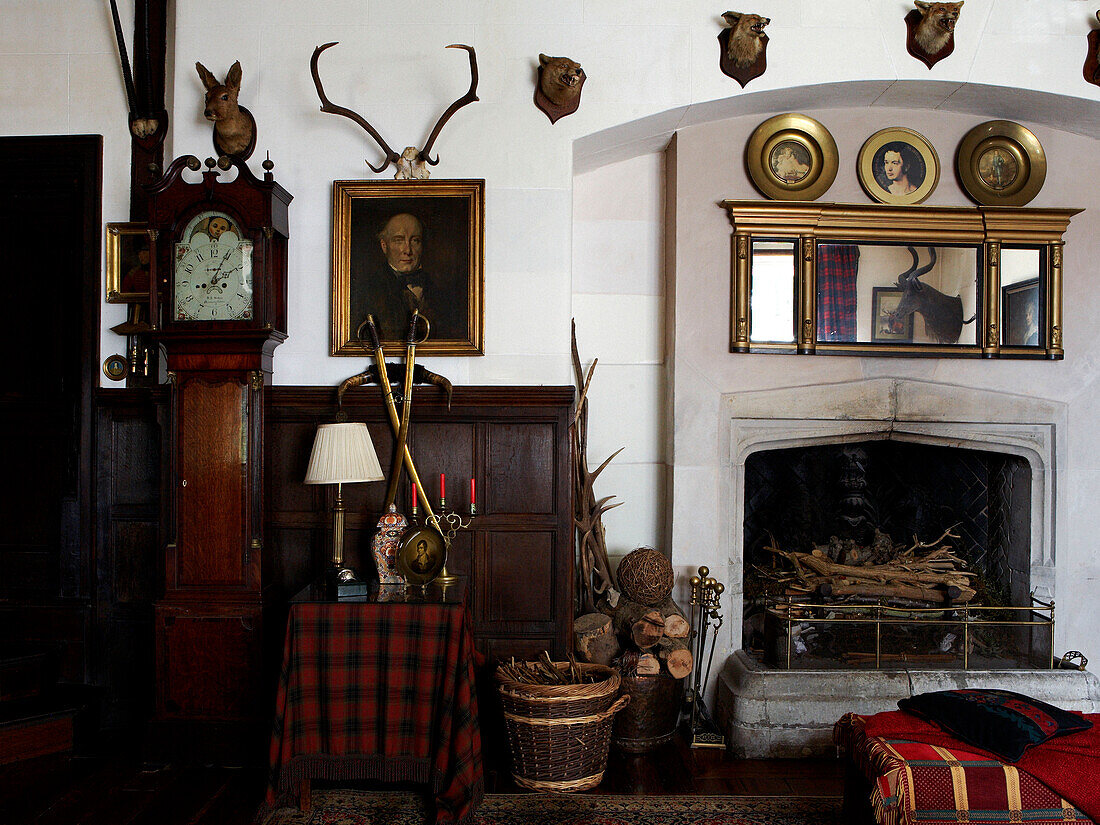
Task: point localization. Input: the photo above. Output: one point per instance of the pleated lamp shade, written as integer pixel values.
(343, 453)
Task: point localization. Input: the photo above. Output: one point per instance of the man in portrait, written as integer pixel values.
(389, 281)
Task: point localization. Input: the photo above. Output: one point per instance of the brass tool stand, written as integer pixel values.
(705, 604)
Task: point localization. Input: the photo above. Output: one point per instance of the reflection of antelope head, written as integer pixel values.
(943, 314)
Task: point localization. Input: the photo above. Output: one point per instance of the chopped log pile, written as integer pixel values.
(641, 640)
(925, 574)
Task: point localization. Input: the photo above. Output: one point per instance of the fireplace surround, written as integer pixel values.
(770, 713)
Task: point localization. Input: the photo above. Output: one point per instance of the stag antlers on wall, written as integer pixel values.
(412, 163)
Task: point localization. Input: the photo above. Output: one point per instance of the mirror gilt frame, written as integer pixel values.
(985, 229)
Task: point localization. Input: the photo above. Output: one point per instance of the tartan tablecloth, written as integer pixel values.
(379, 691)
(941, 783)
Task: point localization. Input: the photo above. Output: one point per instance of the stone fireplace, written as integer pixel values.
(771, 712)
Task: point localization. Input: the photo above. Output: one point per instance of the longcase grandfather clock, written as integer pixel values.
(221, 262)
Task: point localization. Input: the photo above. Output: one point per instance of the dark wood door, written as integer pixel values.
(50, 214)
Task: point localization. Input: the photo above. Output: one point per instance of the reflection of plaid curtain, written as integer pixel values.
(837, 268)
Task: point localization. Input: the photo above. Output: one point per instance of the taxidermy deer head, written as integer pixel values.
(931, 30)
(1092, 57)
(413, 162)
(558, 91)
(943, 314)
(148, 122)
(234, 126)
(744, 46)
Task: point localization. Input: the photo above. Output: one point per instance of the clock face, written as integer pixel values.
(212, 270)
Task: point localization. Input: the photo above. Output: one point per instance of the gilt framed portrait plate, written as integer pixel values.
(1001, 163)
(404, 245)
(898, 166)
(127, 263)
(792, 157)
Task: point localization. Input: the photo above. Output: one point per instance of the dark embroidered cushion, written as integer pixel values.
(999, 721)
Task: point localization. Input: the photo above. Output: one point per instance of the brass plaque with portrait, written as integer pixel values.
(404, 245)
(898, 166)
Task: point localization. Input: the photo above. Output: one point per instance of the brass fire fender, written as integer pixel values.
(807, 224)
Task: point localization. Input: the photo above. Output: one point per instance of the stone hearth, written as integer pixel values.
(777, 713)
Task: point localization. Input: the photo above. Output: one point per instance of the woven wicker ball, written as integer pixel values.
(645, 576)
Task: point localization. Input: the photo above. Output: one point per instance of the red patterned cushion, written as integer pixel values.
(999, 721)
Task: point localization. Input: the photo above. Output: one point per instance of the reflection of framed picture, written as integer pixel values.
(792, 157)
(127, 263)
(1020, 314)
(400, 245)
(898, 166)
(886, 327)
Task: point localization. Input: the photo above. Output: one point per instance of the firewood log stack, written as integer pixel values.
(922, 575)
(645, 632)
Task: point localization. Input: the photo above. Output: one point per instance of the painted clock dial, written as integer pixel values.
(212, 270)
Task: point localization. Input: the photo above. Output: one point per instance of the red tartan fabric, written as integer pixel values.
(837, 270)
(922, 774)
(379, 691)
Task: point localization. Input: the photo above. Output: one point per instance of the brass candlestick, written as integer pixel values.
(448, 525)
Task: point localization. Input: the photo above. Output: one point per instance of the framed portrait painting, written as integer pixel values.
(404, 245)
(898, 166)
(886, 326)
(127, 263)
(1020, 314)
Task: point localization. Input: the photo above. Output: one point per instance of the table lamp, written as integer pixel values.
(342, 454)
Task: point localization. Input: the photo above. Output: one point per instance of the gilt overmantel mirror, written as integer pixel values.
(899, 280)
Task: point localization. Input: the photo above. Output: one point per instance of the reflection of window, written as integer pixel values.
(772, 298)
(837, 270)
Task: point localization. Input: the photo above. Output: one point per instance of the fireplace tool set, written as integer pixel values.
(706, 595)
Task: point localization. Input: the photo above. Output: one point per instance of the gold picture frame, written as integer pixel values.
(792, 157)
(379, 267)
(1001, 163)
(898, 166)
(127, 273)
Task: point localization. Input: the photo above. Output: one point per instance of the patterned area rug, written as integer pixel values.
(348, 807)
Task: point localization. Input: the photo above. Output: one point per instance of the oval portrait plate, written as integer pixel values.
(1001, 163)
(792, 157)
(421, 555)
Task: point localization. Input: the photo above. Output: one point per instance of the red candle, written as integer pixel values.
(473, 497)
(442, 485)
(414, 497)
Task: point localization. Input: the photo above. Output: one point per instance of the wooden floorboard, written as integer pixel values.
(119, 790)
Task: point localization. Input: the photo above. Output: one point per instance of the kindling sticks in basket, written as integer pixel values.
(558, 734)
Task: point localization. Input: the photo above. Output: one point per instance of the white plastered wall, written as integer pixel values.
(652, 69)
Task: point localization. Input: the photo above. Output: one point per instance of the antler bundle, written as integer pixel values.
(409, 163)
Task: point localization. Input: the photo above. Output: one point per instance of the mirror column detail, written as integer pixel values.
(992, 346)
(1054, 301)
(807, 341)
(740, 302)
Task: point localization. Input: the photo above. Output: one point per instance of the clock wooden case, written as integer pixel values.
(220, 310)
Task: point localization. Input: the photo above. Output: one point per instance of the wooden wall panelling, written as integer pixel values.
(128, 573)
(519, 551)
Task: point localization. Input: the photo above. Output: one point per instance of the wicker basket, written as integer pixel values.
(558, 735)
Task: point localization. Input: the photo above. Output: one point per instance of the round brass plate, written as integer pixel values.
(898, 166)
(1001, 163)
(421, 555)
(792, 157)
